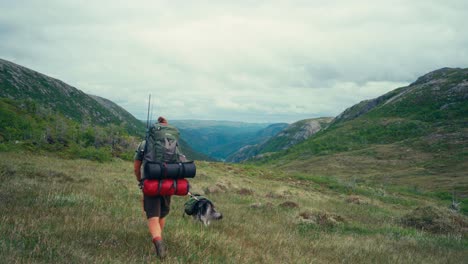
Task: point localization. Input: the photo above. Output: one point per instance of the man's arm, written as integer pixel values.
(137, 169)
(138, 159)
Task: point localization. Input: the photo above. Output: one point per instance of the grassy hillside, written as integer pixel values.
(25, 125)
(20, 83)
(414, 136)
(78, 211)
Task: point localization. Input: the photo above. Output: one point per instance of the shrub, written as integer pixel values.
(436, 220)
(324, 219)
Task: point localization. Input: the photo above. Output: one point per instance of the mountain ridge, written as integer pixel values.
(20, 83)
(434, 78)
(415, 135)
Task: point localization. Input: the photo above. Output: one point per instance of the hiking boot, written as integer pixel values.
(160, 248)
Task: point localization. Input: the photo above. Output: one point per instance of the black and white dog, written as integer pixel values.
(203, 210)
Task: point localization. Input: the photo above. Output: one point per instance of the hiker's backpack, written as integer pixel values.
(162, 144)
(190, 207)
(162, 158)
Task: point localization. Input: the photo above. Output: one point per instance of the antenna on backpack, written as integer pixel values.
(152, 112)
(147, 125)
(148, 117)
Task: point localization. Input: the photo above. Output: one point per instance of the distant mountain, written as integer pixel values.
(415, 135)
(219, 139)
(191, 154)
(289, 136)
(200, 124)
(19, 83)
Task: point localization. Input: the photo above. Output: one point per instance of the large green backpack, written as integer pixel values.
(162, 144)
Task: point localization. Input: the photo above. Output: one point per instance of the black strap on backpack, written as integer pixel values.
(175, 186)
(159, 186)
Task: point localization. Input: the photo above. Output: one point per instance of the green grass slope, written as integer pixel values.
(25, 125)
(77, 211)
(20, 83)
(415, 136)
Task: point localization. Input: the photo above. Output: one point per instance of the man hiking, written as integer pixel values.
(156, 207)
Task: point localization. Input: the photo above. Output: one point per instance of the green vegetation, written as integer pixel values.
(75, 211)
(359, 134)
(26, 125)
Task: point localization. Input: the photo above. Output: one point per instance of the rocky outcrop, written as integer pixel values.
(290, 136)
(301, 131)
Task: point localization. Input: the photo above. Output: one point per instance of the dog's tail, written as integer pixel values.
(193, 196)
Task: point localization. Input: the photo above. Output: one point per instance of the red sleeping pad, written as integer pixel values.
(166, 187)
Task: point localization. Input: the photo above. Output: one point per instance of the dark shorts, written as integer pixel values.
(156, 206)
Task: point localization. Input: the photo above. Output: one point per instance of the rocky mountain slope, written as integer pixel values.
(289, 136)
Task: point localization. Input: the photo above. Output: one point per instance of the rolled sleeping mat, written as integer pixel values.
(166, 187)
(181, 170)
(152, 170)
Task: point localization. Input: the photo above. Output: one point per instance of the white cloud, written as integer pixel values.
(236, 60)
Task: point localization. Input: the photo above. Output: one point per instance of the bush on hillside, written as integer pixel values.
(354, 199)
(289, 204)
(245, 191)
(436, 220)
(324, 219)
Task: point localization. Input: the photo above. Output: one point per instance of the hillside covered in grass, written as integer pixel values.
(20, 83)
(413, 136)
(80, 211)
(25, 125)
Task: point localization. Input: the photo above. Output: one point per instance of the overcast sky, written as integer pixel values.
(256, 61)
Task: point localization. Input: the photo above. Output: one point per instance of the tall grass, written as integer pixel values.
(80, 211)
